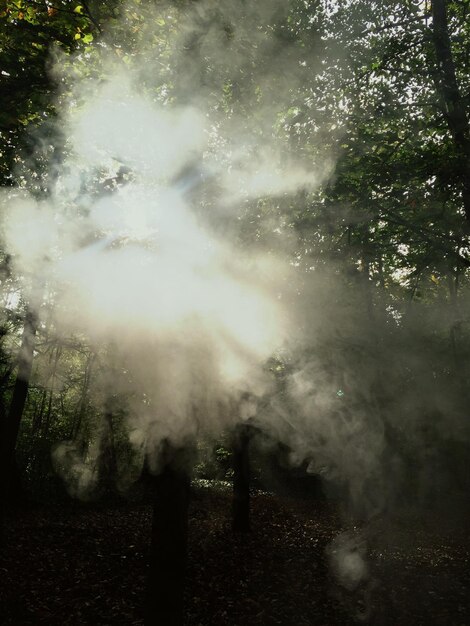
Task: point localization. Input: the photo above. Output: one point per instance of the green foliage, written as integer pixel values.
(214, 461)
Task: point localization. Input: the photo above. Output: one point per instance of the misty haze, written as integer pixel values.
(234, 333)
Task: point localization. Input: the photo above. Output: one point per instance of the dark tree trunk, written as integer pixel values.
(3, 486)
(451, 99)
(39, 414)
(241, 479)
(82, 405)
(20, 392)
(10, 421)
(107, 459)
(168, 549)
(52, 378)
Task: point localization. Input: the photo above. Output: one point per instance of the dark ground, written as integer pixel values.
(86, 565)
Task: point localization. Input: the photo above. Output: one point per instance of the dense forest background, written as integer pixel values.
(316, 155)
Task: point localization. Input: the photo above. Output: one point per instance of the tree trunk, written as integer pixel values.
(82, 404)
(107, 458)
(3, 486)
(241, 479)
(47, 423)
(39, 413)
(451, 99)
(18, 400)
(10, 422)
(168, 549)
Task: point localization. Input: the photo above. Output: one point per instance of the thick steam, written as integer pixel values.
(136, 245)
(139, 246)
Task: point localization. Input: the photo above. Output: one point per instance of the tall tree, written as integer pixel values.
(10, 424)
(451, 99)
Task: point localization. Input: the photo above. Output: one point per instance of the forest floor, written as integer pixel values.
(86, 565)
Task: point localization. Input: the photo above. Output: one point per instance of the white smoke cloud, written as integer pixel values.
(133, 259)
(137, 247)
